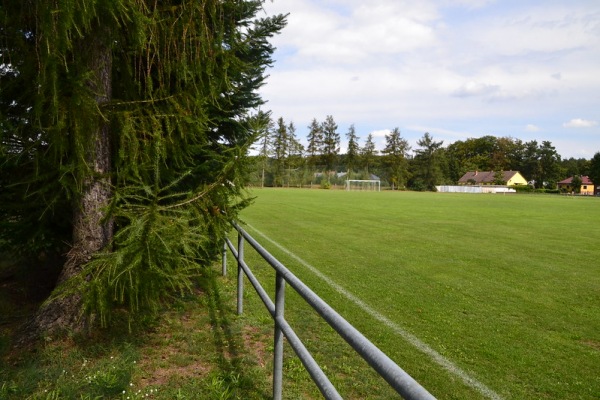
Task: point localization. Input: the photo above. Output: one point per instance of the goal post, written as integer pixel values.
(364, 184)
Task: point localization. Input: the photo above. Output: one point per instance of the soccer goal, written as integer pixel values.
(363, 184)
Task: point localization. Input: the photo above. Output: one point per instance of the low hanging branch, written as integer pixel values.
(171, 103)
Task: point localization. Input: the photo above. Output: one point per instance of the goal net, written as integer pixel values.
(362, 184)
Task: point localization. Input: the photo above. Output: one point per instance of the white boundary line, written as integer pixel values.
(409, 337)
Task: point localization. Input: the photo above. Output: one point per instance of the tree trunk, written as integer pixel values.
(91, 232)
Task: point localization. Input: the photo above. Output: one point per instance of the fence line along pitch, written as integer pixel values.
(396, 377)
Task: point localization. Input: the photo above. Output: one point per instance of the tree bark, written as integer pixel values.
(91, 231)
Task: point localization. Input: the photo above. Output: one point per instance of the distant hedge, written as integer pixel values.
(530, 189)
(522, 188)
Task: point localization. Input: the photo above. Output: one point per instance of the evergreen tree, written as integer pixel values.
(530, 163)
(352, 154)
(260, 125)
(541, 163)
(456, 169)
(280, 152)
(330, 145)
(394, 154)
(295, 154)
(126, 122)
(427, 162)
(368, 154)
(549, 165)
(315, 143)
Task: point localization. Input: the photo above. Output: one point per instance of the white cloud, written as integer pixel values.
(381, 133)
(469, 4)
(326, 32)
(580, 123)
(536, 30)
(447, 134)
(467, 66)
(473, 88)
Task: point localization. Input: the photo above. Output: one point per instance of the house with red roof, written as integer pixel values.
(586, 187)
(508, 178)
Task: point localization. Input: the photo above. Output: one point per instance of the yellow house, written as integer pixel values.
(586, 188)
(510, 178)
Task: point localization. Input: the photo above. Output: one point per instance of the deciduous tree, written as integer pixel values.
(576, 184)
(594, 172)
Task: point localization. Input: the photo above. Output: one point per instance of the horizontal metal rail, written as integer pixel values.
(396, 377)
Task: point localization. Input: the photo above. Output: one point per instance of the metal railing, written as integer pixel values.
(397, 378)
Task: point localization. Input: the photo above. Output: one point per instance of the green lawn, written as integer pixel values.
(197, 349)
(504, 287)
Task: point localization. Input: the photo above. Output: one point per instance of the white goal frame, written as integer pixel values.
(364, 184)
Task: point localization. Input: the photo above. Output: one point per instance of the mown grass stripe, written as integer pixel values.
(409, 337)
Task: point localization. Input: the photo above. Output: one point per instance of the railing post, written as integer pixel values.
(224, 259)
(240, 279)
(400, 381)
(278, 341)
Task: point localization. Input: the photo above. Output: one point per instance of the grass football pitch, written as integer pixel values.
(475, 296)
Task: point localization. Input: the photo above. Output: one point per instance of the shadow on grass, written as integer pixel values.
(232, 357)
(198, 334)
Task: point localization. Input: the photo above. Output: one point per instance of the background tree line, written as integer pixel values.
(284, 161)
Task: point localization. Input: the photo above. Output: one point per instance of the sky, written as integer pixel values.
(458, 69)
